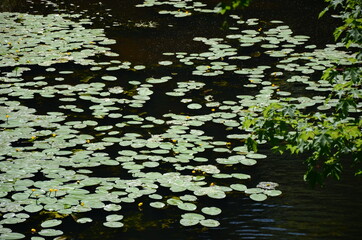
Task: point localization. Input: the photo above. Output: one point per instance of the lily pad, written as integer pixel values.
(50, 232)
(211, 210)
(113, 224)
(259, 197)
(12, 235)
(210, 223)
(51, 223)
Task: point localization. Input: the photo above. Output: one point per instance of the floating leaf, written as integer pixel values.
(194, 106)
(51, 223)
(238, 187)
(114, 217)
(50, 232)
(157, 204)
(187, 206)
(33, 208)
(12, 235)
(211, 210)
(189, 222)
(209, 223)
(113, 224)
(258, 197)
(84, 220)
(272, 193)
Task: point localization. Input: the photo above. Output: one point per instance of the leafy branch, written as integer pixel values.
(326, 138)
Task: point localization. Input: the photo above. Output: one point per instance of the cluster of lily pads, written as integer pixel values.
(49, 162)
(296, 64)
(180, 8)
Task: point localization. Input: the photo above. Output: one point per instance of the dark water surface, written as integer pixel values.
(301, 213)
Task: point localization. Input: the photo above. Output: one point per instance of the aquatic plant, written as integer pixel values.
(98, 147)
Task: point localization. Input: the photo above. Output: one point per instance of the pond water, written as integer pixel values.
(115, 113)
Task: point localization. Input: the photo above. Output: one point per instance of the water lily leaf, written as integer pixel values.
(221, 175)
(165, 63)
(33, 208)
(50, 232)
(241, 176)
(37, 238)
(51, 223)
(211, 210)
(193, 216)
(12, 235)
(20, 196)
(84, 220)
(248, 162)
(139, 67)
(211, 169)
(194, 106)
(258, 197)
(256, 155)
(188, 197)
(112, 207)
(209, 223)
(189, 222)
(253, 190)
(113, 224)
(114, 218)
(157, 204)
(13, 220)
(238, 187)
(187, 206)
(272, 193)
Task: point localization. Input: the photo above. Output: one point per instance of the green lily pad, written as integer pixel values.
(211, 210)
(12, 235)
(259, 197)
(84, 220)
(51, 223)
(50, 232)
(272, 193)
(114, 218)
(113, 224)
(189, 222)
(210, 223)
(194, 106)
(157, 204)
(238, 187)
(33, 208)
(187, 206)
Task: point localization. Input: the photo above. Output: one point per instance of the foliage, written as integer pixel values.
(330, 137)
(234, 4)
(325, 138)
(351, 14)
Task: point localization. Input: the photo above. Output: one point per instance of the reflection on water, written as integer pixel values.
(301, 213)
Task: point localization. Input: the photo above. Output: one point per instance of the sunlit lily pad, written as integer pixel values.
(187, 206)
(12, 235)
(259, 197)
(114, 217)
(84, 220)
(113, 224)
(157, 204)
(33, 208)
(189, 222)
(211, 210)
(51, 223)
(210, 223)
(50, 232)
(194, 106)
